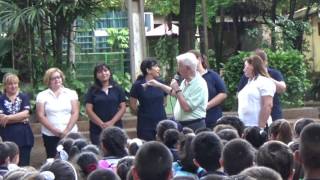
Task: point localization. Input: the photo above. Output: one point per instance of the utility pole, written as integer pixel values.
(137, 35)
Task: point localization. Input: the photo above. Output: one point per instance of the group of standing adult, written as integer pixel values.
(199, 98)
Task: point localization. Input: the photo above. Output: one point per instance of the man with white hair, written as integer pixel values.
(192, 94)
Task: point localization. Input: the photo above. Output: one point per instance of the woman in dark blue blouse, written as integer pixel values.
(151, 108)
(105, 102)
(14, 114)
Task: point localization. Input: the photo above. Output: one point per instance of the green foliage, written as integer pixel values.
(294, 68)
(212, 60)
(290, 63)
(118, 39)
(113, 4)
(289, 31)
(212, 9)
(124, 80)
(32, 91)
(231, 75)
(166, 51)
(163, 7)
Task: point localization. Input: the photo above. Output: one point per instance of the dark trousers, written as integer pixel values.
(95, 138)
(194, 124)
(50, 143)
(146, 134)
(24, 155)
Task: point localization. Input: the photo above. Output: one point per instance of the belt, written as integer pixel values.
(23, 122)
(191, 121)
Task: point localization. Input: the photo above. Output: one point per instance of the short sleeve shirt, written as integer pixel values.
(215, 86)
(105, 105)
(57, 108)
(276, 112)
(151, 108)
(249, 99)
(196, 94)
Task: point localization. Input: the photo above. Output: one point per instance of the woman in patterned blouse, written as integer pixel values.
(14, 114)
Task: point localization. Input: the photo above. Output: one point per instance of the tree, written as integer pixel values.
(187, 28)
(47, 21)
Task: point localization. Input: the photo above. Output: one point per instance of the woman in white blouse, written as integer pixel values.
(255, 99)
(57, 110)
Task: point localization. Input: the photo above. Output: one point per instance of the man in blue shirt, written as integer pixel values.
(276, 112)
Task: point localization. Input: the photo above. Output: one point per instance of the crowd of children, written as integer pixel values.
(228, 151)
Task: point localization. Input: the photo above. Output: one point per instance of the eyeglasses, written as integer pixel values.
(55, 78)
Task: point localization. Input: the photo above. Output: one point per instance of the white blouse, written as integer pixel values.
(249, 99)
(57, 108)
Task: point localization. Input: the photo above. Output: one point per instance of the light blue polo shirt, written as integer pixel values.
(195, 93)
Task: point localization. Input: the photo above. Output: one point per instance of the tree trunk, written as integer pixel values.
(71, 46)
(43, 48)
(273, 18)
(220, 36)
(58, 45)
(204, 30)
(53, 36)
(237, 32)
(187, 25)
(292, 8)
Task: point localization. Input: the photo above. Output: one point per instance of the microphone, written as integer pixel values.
(177, 77)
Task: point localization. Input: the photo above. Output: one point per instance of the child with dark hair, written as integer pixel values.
(33, 175)
(164, 125)
(15, 174)
(294, 145)
(124, 165)
(4, 158)
(185, 178)
(277, 156)
(103, 174)
(113, 142)
(134, 145)
(13, 150)
(88, 162)
(237, 155)
(221, 127)
(185, 166)
(237, 177)
(207, 148)
(280, 130)
(261, 173)
(233, 121)
(76, 147)
(228, 134)
(153, 161)
(309, 153)
(171, 140)
(67, 144)
(300, 124)
(255, 136)
(62, 170)
(74, 135)
(91, 148)
(199, 130)
(187, 130)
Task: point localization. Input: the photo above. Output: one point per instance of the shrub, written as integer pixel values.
(290, 63)
(232, 73)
